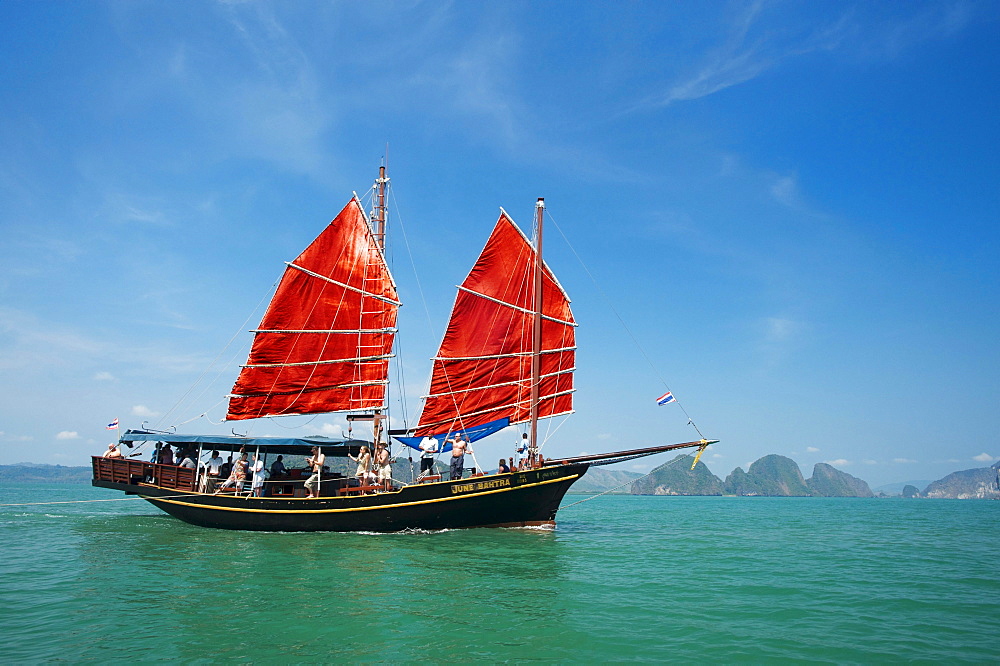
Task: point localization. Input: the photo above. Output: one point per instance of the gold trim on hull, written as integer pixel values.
(570, 477)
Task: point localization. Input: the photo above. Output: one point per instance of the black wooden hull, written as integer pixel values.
(519, 499)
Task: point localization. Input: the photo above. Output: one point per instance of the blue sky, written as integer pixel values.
(793, 207)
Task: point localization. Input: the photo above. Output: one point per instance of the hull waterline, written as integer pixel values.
(519, 499)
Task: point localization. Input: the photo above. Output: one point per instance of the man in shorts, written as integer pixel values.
(384, 466)
(315, 462)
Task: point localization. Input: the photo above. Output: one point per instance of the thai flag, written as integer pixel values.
(665, 398)
(113, 425)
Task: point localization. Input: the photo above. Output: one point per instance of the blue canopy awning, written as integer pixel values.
(290, 445)
(474, 434)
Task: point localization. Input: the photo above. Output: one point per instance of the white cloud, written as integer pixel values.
(604, 435)
(68, 434)
(903, 460)
(747, 54)
(984, 457)
(839, 462)
(812, 449)
(781, 329)
(870, 462)
(104, 377)
(331, 430)
(142, 411)
(785, 191)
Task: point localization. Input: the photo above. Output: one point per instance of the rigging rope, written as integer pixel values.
(587, 499)
(114, 499)
(624, 325)
(217, 356)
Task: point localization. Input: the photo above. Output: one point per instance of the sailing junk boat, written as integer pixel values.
(324, 345)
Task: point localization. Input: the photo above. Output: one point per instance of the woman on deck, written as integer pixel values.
(237, 476)
(364, 461)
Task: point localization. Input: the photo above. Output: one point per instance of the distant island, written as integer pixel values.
(770, 476)
(778, 476)
(38, 473)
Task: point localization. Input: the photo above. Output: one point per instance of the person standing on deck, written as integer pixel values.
(237, 476)
(259, 474)
(364, 461)
(383, 466)
(522, 448)
(459, 447)
(278, 469)
(428, 449)
(213, 469)
(316, 462)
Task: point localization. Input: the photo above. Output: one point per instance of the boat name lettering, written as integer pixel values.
(479, 485)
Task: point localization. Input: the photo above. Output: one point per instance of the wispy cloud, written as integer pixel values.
(29, 342)
(753, 46)
(470, 84)
(68, 434)
(781, 329)
(330, 430)
(812, 449)
(762, 35)
(142, 411)
(839, 462)
(15, 438)
(903, 460)
(104, 376)
(984, 457)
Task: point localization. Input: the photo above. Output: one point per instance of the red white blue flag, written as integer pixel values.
(113, 425)
(665, 398)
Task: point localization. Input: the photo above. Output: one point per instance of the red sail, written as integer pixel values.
(483, 369)
(326, 338)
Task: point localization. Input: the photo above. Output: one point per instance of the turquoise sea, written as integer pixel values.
(665, 579)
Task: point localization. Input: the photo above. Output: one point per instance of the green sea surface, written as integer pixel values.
(665, 579)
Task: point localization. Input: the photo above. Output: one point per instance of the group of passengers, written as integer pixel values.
(185, 456)
(527, 456)
(374, 470)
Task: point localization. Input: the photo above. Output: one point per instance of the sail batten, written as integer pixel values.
(358, 359)
(508, 355)
(325, 342)
(342, 284)
(492, 386)
(523, 406)
(326, 330)
(482, 371)
(516, 307)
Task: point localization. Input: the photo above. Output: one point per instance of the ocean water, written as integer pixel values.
(665, 579)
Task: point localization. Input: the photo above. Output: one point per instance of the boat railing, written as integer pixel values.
(133, 472)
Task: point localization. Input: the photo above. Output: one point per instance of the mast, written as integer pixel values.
(378, 220)
(536, 338)
(378, 211)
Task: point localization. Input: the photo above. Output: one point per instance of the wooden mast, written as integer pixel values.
(379, 208)
(536, 338)
(378, 219)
